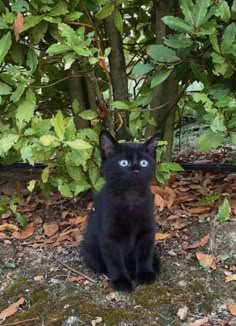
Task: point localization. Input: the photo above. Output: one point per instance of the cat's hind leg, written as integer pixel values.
(92, 258)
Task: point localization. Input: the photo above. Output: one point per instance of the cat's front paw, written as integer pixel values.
(122, 284)
(146, 277)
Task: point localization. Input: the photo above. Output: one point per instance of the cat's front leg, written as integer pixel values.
(144, 259)
(115, 263)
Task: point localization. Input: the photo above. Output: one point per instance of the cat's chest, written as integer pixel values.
(131, 202)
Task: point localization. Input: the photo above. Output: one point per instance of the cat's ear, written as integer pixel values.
(151, 144)
(107, 143)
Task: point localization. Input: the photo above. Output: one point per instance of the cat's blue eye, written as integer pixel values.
(123, 163)
(144, 163)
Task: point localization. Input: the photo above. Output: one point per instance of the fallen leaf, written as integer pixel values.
(159, 202)
(75, 279)
(12, 309)
(171, 196)
(28, 232)
(198, 210)
(18, 23)
(8, 227)
(178, 225)
(206, 260)
(113, 297)
(199, 243)
(6, 215)
(96, 321)
(50, 229)
(230, 278)
(162, 236)
(232, 308)
(3, 236)
(105, 283)
(38, 278)
(199, 322)
(38, 221)
(173, 217)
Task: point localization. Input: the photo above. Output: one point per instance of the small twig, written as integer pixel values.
(212, 242)
(75, 271)
(58, 81)
(21, 322)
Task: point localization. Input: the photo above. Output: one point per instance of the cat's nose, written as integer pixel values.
(136, 172)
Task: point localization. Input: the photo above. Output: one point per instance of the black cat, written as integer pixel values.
(119, 240)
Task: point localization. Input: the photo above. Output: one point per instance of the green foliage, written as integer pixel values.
(40, 117)
(224, 211)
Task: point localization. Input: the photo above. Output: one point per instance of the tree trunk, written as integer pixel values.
(77, 93)
(118, 74)
(168, 90)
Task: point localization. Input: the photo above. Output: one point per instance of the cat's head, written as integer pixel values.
(128, 164)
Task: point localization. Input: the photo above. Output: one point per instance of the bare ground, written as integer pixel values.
(53, 299)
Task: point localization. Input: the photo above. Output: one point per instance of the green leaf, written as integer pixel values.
(58, 48)
(209, 199)
(233, 8)
(134, 115)
(200, 13)
(224, 211)
(5, 44)
(188, 11)
(118, 20)
(228, 38)
(30, 21)
(59, 123)
(21, 220)
(32, 60)
(223, 10)
(60, 8)
(177, 24)
(178, 41)
(121, 105)
(64, 189)
(218, 123)
(88, 114)
(69, 58)
(74, 15)
(9, 264)
(5, 89)
(45, 174)
(31, 185)
(141, 69)
(162, 75)
(170, 167)
(161, 53)
(16, 95)
(25, 110)
(214, 42)
(20, 6)
(78, 144)
(47, 140)
(6, 142)
(233, 138)
(106, 11)
(209, 140)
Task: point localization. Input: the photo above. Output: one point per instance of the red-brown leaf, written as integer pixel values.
(18, 23)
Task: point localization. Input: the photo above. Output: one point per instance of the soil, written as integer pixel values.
(43, 278)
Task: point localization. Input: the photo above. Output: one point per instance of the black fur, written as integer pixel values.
(119, 240)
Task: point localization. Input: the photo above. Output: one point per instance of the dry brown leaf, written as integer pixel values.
(12, 309)
(6, 215)
(105, 283)
(178, 225)
(199, 322)
(198, 210)
(28, 232)
(162, 236)
(38, 278)
(199, 243)
(18, 23)
(75, 278)
(183, 189)
(38, 221)
(159, 202)
(232, 308)
(8, 227)
(50, 229)
(230, 278)
(171, 196)
(206, 260)
(157, 190)
(173, 217)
